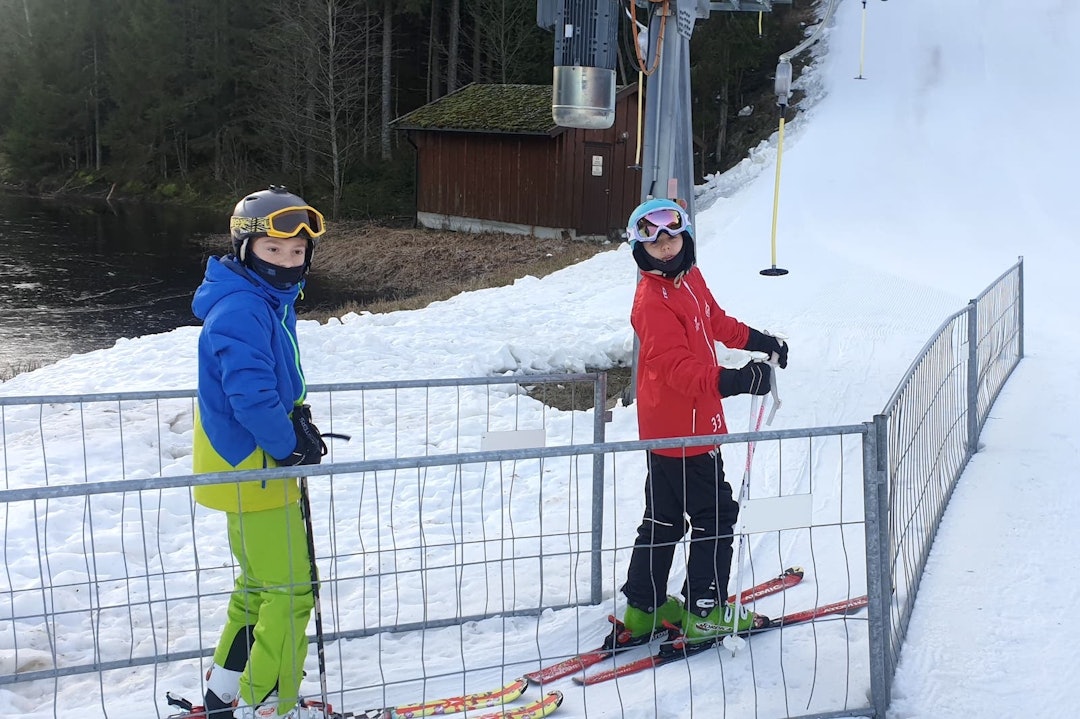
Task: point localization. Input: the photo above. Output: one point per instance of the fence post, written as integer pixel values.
(599, 417)
(878, 576)
(973, 378)
(1020, 304)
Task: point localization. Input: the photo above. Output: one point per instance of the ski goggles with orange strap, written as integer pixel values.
(667, 219)
(284, 223)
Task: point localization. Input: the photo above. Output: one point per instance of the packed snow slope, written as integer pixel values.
(903, 195)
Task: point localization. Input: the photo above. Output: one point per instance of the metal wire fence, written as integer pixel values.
(469, 532)
(473, 597)
(929, 430)
(102, 537)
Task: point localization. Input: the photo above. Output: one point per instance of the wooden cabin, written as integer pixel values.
(490, 157)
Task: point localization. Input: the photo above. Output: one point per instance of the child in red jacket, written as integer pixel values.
(679, 388)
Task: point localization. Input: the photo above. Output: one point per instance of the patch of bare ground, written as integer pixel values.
(409, 268)
(579, 395)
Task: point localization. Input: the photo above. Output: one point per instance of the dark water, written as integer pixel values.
(78, 276)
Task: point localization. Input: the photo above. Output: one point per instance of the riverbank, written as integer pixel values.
(409, 268)
(127, 269)
(396, 268)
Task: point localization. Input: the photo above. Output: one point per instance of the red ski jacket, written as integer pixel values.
(677, 323)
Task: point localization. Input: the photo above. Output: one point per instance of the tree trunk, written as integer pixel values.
(29, 31)
(721, 128)
(97, 109)
(332, 109)
(434, 52)
(387, 49)
(454, 44)
(477, 55)
(366, 138)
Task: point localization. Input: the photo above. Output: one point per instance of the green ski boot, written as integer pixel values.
(641, 625)
(718, 623)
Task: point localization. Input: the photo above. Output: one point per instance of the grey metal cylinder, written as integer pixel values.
(583, 97)
(586, 51)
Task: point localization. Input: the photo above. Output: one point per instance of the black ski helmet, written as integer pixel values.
(274, 212)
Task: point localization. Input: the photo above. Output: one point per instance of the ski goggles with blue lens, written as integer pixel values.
(667, 220)
(284, 223)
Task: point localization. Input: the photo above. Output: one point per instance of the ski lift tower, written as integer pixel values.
(583, 84)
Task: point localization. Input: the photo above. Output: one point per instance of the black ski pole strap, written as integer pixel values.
(336, 435)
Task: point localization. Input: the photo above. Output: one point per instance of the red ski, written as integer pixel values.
(619, 640)
(676, 648)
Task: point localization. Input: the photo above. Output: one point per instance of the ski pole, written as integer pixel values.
(305, 511)
(775, 397)
(773, 361)
(757, 407)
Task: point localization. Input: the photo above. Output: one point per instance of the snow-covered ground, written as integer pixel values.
(903, 195)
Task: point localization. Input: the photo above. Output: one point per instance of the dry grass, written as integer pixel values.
(579, 395)
(7, 371)
(411, 268)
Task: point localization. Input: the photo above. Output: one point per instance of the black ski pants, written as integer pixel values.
(677, 489)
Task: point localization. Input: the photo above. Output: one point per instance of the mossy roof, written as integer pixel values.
(518, 109)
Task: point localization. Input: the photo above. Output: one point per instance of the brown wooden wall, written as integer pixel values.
(624, 182)
(508, 178)
(533, 180)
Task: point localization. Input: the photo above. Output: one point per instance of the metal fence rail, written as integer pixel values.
(999, 337)
(470, 532)
(931, 427)
(159, 624)
(75, 464)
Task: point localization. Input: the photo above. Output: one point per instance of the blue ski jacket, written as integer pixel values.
(250, 379)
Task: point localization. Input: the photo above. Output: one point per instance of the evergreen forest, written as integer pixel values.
(199, 100)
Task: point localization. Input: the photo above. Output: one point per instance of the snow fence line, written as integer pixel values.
(470, 524)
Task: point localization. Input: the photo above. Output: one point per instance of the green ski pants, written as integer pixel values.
(273, 594)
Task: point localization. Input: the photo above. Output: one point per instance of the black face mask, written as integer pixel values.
(671, 267)
(282, 278)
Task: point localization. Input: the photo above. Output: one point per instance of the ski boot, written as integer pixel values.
(720, 622)
(639, 626)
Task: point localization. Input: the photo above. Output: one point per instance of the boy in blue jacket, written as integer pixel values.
(251, 415)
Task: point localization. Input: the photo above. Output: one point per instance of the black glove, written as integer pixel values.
(765, 342)
(302, 424)
(310, 447)
(754, 378)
